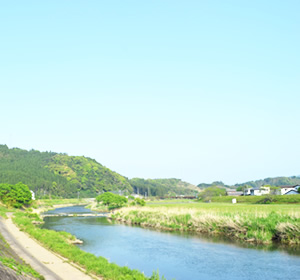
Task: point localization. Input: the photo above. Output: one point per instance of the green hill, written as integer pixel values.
(58, 175)
(218, 184)
(276, 181)
(162, 187)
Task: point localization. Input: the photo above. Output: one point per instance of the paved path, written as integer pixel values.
(48, 264)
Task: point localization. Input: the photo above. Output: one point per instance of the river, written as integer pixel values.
(177, 256)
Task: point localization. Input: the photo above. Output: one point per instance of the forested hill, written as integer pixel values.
(59, 175)
(276, 181)
(218, 184)
(162, 187)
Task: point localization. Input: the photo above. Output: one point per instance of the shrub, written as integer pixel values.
(140, 201)
(15, 195)
(112, 200)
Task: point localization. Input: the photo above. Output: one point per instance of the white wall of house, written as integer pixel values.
(257, 192)
(285, 190)
(32, 195)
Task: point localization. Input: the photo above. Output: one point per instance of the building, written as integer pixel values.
(32, 195)
(137, 195)
(290, 189)
(257, 191)
(234, 193)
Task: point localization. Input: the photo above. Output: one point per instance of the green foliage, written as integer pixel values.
(264, 199)
(219, 184)
(155, 276)
(3, 211)
(259, 224)
(210, 192)
(20, 268)
(52, 175)
(140, 201)
(9, 258)
(15, 195)
(276, 181)
(242, 188)
(162, 187)
(112, 200)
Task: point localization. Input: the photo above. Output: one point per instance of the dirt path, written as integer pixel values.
(51, 266)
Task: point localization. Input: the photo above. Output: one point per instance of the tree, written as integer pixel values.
(241, 188)
(111, 200)
(15, 195)
(212, 191)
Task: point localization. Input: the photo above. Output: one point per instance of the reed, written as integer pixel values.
(251, 226)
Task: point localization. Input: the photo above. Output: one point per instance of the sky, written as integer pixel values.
(198, 90)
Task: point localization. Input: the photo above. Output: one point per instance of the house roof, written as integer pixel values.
(239, 192)
(291, 191)
(288, 187)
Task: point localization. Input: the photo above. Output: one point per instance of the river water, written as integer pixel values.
(177, 256)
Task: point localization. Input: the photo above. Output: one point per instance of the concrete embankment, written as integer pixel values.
(7, 273)
(48, 264)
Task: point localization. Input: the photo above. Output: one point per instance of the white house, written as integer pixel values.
(32, 195)
(257, 191)
(137, 195)
(290, 189)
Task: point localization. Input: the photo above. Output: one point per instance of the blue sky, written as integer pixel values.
(197, 90)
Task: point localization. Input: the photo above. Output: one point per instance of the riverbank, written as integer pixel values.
(61, 243)
(247, 223)
(46, 263)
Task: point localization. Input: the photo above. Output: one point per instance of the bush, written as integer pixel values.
(140, 201)
(15, 195)
(211, 192)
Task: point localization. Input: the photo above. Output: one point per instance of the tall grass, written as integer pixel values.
(252, 226)
(60, 242)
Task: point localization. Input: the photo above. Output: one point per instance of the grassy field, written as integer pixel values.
(290, 209)
(248, 222)
(265, 199)
(60, 242)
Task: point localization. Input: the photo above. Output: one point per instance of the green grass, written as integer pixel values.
(21, 269)
(289, 209)
(265, 199)
(4, 210)
(9, 258)
(59, 242)
(249, 222)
